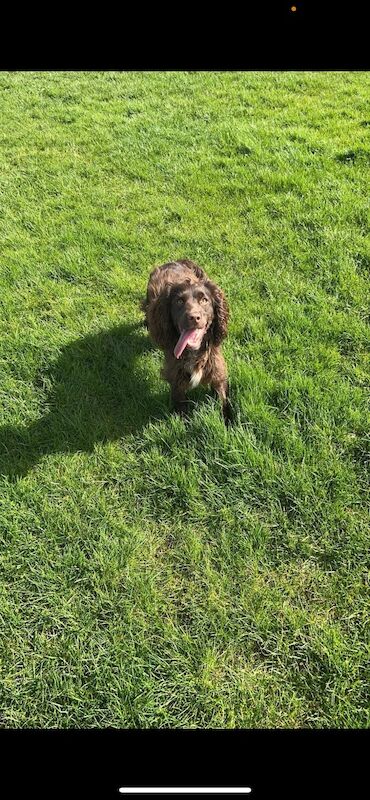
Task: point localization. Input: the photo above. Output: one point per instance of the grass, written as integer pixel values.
(156, 573)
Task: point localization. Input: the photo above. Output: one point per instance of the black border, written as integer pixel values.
(95, 763)
(254, 35)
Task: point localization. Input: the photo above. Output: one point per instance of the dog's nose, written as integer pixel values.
(194, 317)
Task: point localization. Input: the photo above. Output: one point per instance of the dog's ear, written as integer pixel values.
(160, 321)
(221, 312)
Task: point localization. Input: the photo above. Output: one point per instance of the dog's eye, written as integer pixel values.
(204, 299)
(179, 301)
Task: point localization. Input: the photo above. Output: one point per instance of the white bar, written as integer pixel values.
(185, 790)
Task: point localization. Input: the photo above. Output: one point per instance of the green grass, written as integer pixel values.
(155, 573)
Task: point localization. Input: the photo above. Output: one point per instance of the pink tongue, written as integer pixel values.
(181, 344)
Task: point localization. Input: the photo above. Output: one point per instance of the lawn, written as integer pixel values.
(156, 573)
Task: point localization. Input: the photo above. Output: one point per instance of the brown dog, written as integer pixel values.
(187, 316)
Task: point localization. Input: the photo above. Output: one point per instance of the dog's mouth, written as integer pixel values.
(190, 338)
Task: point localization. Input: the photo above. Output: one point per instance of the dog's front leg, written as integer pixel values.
(178, 398)
(222, 390)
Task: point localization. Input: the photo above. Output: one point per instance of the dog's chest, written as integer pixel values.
(195, 371)
(195, 378)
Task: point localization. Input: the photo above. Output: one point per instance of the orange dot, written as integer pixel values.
(293, 8)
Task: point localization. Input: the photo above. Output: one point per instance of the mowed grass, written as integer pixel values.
(156, 573)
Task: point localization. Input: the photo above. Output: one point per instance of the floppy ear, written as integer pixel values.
(221, 311)
(159, 318)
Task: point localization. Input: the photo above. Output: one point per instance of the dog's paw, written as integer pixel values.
(228, 413)
(182, 409)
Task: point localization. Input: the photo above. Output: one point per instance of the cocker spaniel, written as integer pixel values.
(187, 316)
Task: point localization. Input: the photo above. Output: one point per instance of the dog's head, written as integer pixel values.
(190, 311)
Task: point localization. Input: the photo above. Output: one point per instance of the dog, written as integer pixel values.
(187, 317)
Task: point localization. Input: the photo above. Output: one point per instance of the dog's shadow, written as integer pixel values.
(100, 390)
